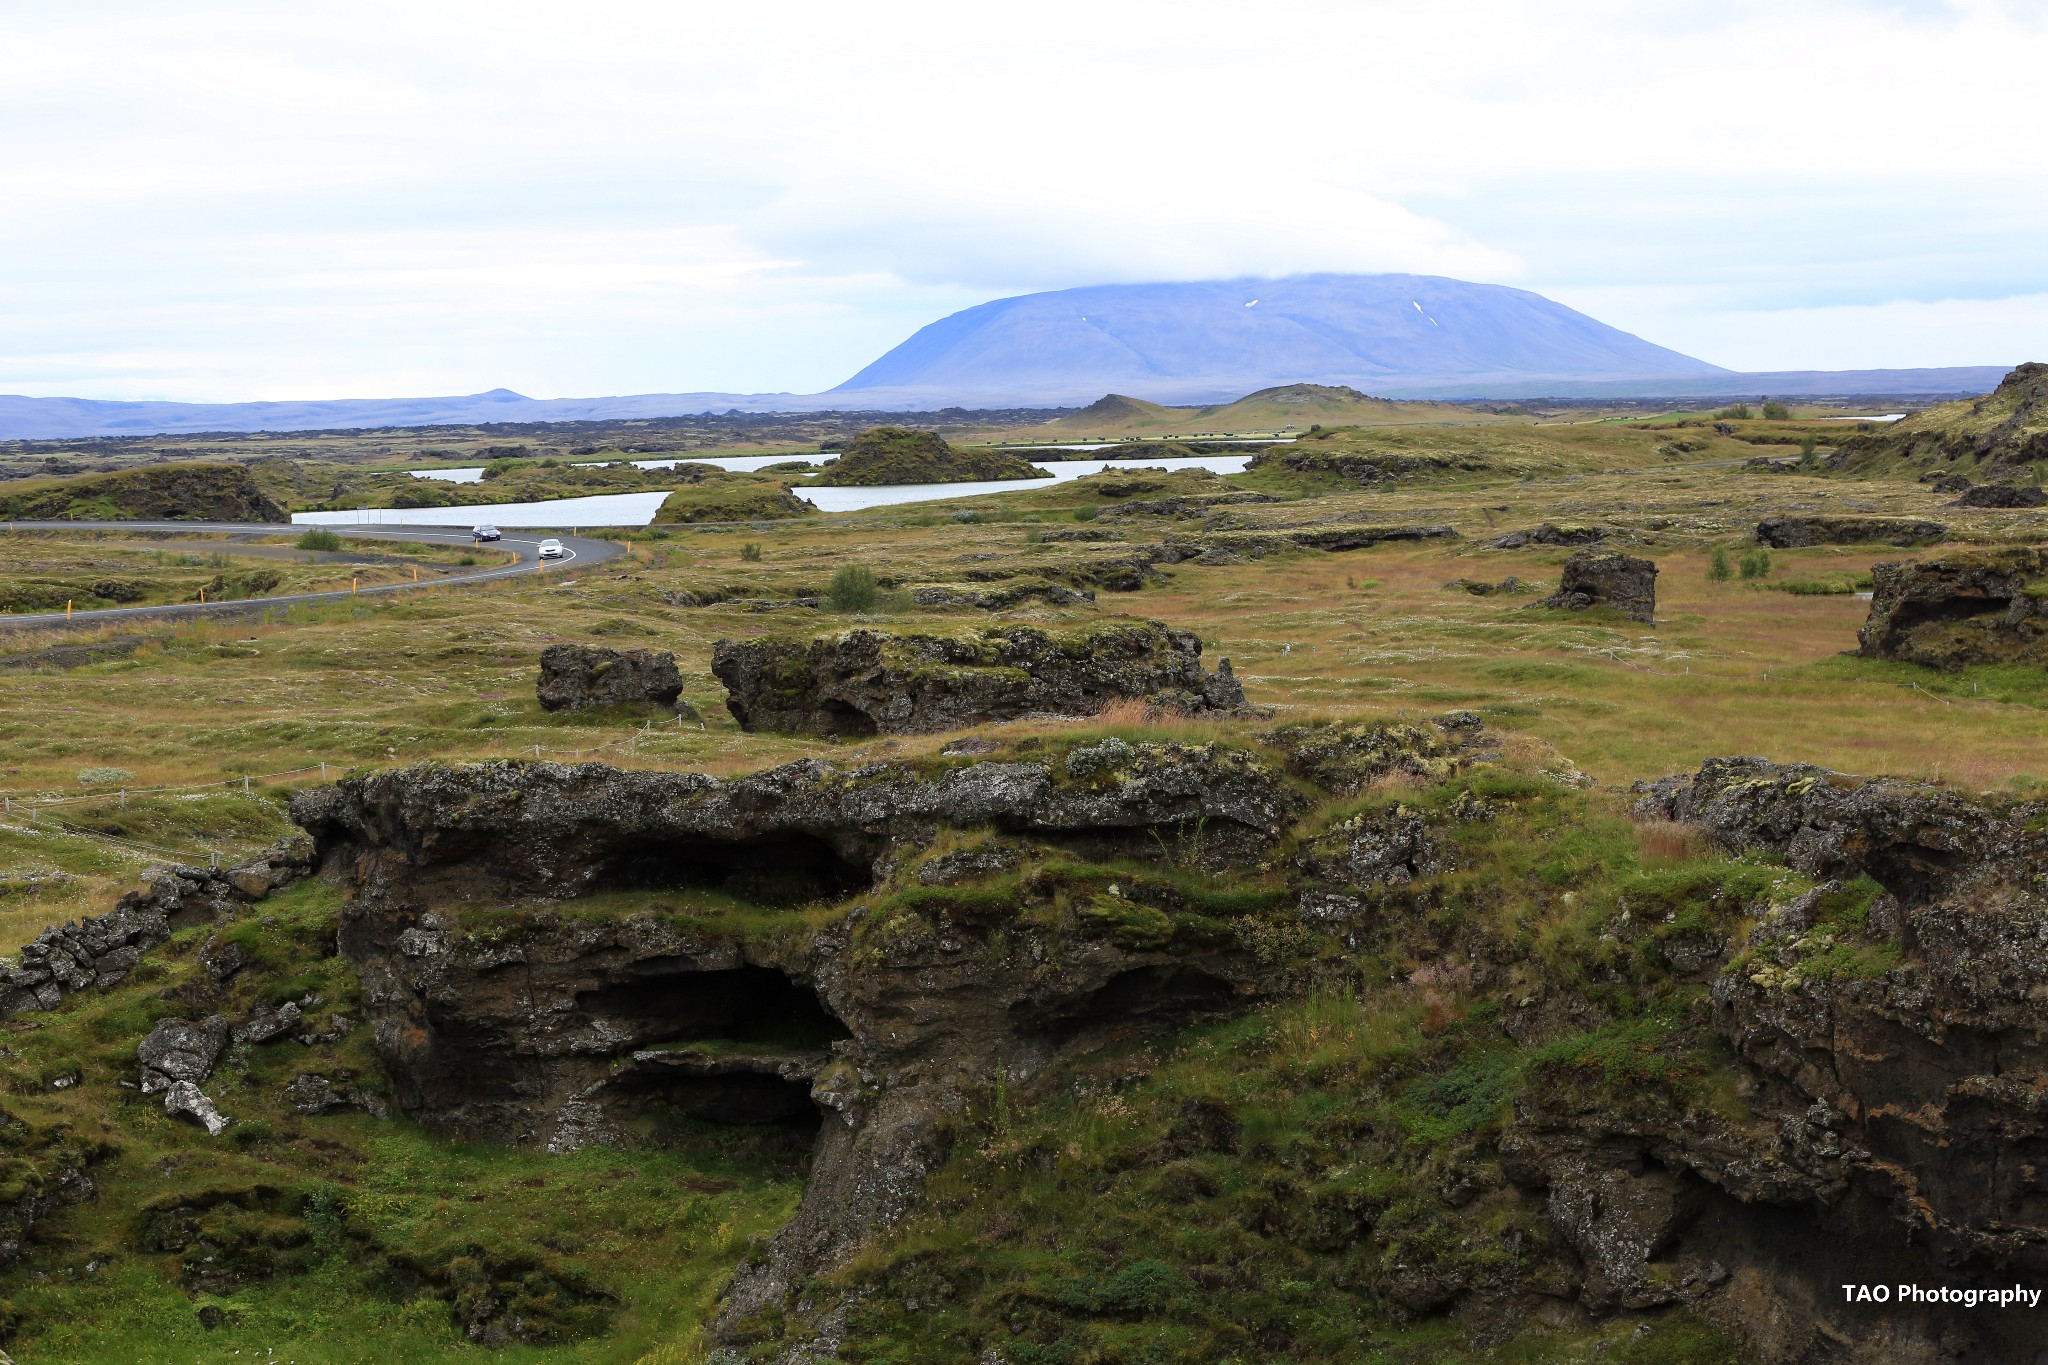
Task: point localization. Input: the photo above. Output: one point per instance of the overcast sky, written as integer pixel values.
(223, 201)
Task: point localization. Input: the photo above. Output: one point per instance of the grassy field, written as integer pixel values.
(181, 741)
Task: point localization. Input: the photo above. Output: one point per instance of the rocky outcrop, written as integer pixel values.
(1891, 1019)
(1794, 532)
(865, 682)
(48, 1168)
(1549, 533)
(1608, 579)
(577, 677)
(1371, 468)
(1972, 607)
(1225, 546)
(946, 596)
(100, 951)
(498, 1015)
(1995, 436)
(2004, 495)
(165, 492)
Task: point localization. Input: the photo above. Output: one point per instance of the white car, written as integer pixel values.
(552, 549)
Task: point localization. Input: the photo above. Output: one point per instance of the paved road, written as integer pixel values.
(526, 544)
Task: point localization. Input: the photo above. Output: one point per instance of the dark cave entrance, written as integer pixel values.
(732, 1048)
(785, 868)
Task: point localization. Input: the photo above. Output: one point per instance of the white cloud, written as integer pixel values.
(224, 198)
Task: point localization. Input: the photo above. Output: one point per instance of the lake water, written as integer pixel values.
(745, 464)
(608, 509)
(638, 509)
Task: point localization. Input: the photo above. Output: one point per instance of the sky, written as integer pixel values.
(224, 201)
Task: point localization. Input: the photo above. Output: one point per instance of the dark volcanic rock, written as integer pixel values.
(1607, 578)
(502, 1020)
(573, 677)
(181, 1050)
(865, 682)
(1791, 533)
(1549, 533)
(1994, 436)
(2003, 495)
(1014, 593)
(99, 951)
(1970, 607)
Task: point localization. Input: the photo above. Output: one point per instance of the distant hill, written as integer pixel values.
(2001, 437)
(1211, 339)
(1278, 408)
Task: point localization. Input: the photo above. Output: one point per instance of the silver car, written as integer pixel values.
(552, 549)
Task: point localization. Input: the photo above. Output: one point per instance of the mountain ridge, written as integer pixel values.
(1252, 333)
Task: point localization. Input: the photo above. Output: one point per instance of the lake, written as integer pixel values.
(638, 509)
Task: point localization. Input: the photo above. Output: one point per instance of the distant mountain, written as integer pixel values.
(1213, 340)
(1201, 344)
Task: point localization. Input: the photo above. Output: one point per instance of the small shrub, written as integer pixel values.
(1739, 413)
(1718, 568)
(1774, 411)
(853, 589)
(750, 553)
(104, 777)
(1756, 564)
(1807, 445)
(319, 538)
(1086, 513)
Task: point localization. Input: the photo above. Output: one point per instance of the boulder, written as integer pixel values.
(1968, 608)
(1610, 579)
(184, 1099)
(266, 1022)
(311, 1093)
(2003, 495)
(576, 677)
(181, 1050)
(865, 682)
(1791, 533)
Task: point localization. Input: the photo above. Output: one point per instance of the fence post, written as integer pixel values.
(323, 772)
(124, 798)
(245, 784)
(536, 753)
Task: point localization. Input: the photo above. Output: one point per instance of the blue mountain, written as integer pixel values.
(1222, 338)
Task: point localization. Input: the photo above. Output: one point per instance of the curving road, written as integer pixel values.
(526, 544)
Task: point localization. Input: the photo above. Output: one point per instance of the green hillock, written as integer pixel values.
(896, 455)
(739, 498)
(173, 492)
(1995, 436)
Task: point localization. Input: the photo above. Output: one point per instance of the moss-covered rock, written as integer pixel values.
(864, 682)
(1971, 607)
(893, 455)
(2004, 430)
(170, 492)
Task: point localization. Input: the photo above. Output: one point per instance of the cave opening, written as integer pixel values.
(784, 868)
(1910, 615)
(847, 721)
(707, 1051)
(670, 1000)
